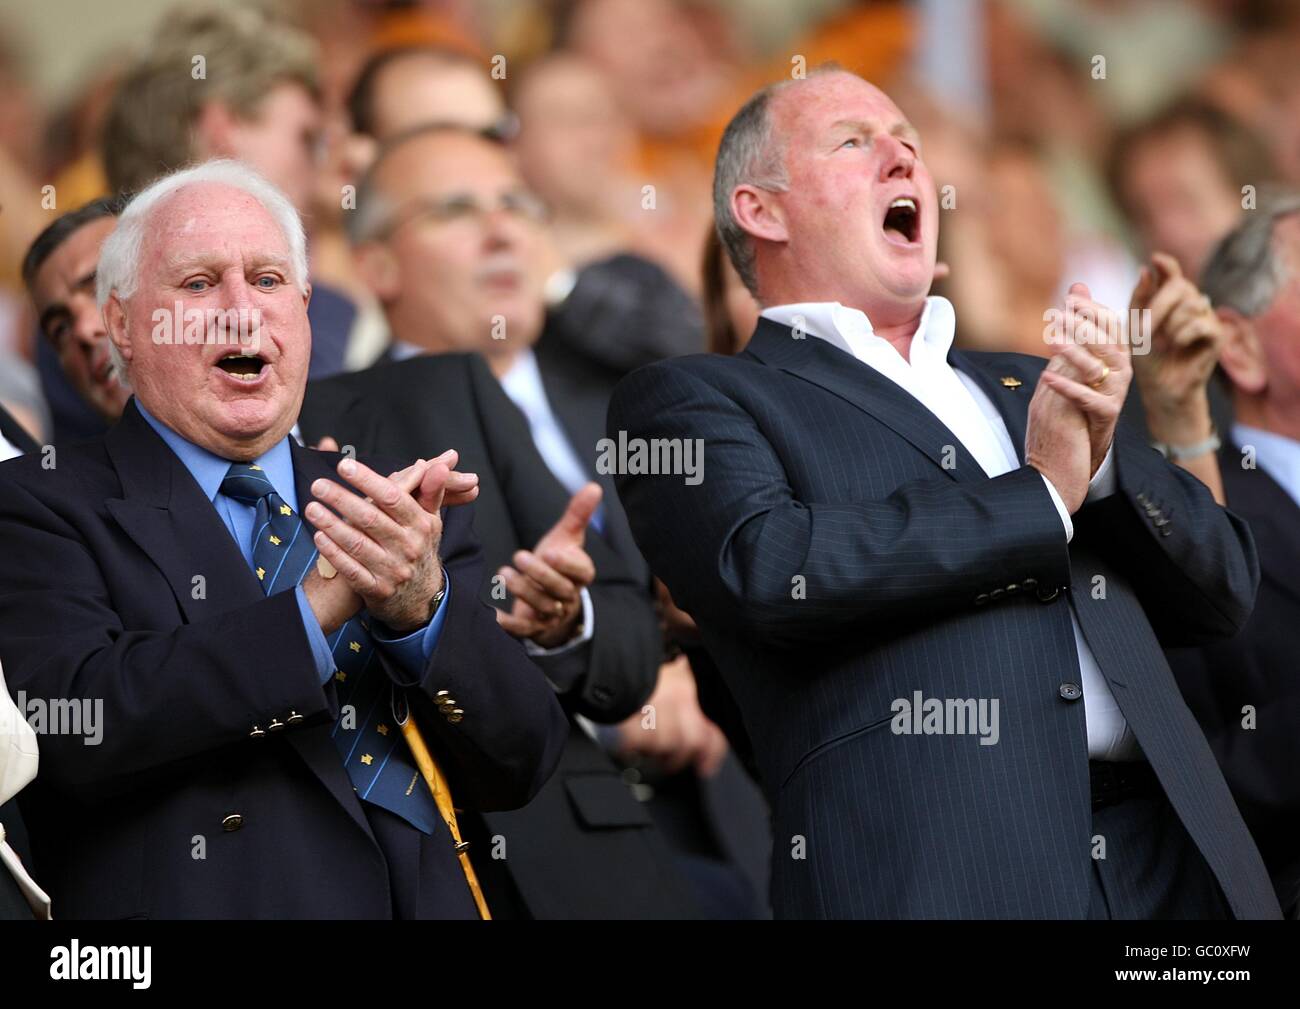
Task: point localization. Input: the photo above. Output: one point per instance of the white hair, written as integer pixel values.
(118, 271)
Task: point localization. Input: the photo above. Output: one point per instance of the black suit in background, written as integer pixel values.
(15, 433)
(98, 601)
(722, 816)
(1258, 667)
(583, 848)
(626, 311)
(918, 575)
(15, 829)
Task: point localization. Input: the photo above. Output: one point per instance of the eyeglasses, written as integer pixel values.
(463, 207)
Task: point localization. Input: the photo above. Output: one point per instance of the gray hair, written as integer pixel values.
(1245, 272)
(747, 156)
(118, 271)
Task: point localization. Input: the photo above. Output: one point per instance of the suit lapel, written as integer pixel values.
(168, 517)
(1010, 394)
(16, 434)
(1273, 516)
(816, 361)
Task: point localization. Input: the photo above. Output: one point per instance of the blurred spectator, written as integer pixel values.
(1244, 691)
(59, 271)
(254, 98)
(1181, 176)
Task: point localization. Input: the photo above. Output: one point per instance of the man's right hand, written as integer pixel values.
(1057, 442)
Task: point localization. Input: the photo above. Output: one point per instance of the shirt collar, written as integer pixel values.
(522, 382)
(209, 469)
(843, 326)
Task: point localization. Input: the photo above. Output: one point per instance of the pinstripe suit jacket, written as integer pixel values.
(835, 564)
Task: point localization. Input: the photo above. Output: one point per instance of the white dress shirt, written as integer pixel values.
(1276, 454)
(962, 406)
(8, 450)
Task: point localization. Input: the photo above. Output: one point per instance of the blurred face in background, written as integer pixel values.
(860, 219)
(1180, 200)
(211, 247)
(420, 89)
(459, 259)
(63, 293)
(281, 140)
(1266, 366)
(571, 132)
(1023, 220)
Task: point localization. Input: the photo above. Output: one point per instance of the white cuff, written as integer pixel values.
(581, 638)
(1103, 483)
(1061, 509)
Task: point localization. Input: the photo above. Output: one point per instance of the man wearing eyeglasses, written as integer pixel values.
(451, 242)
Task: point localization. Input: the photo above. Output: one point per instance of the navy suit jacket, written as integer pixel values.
(100, 599)
(1257, 668)
(843, 550)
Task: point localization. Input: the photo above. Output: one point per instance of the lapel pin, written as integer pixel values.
(1011, 382)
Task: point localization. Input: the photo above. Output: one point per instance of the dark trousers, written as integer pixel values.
(1151, 869)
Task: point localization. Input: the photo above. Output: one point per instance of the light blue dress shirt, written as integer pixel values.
(209, 470)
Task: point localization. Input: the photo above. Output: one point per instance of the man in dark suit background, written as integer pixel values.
(1244, 691)
(892, 548)
(280, 666)
(446, 203)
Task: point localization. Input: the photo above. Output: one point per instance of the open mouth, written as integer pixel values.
(903, 219)
(241, 365)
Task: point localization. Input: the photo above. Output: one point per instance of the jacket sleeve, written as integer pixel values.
(506, 740)
(159, 696)
(743, 547)
(1192, 562)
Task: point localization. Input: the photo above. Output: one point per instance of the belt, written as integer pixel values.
(1113, 782)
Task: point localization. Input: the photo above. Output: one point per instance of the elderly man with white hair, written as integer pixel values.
(291, 671)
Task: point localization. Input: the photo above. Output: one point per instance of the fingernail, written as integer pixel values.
(320, 487)
(347, 467)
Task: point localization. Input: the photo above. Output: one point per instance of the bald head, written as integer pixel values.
(450, 240)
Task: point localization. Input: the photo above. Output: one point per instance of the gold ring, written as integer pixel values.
(559, 608)
(1105, 373)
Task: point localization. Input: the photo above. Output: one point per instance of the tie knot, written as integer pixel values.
(246, 482)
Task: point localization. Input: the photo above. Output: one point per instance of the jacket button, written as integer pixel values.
(232, 822)
(1071, 691)
(293, 719)
(455, 716)
(981, 599)
(1047, 595)
(997, 594)
(275, 726)
(257, 733)
(1013, 587)
(1029, 583)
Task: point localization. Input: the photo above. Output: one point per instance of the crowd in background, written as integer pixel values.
(1076, 137)
(1114, 142)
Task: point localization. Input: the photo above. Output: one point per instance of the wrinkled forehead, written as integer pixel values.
(211, 218)
(813, 106)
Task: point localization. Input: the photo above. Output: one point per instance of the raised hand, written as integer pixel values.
(384, 545)
(547, 581)
(1093, 369)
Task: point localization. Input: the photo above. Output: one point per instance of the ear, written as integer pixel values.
(1241, 355)
(378, 267)
(115, 323)
(757, 213)
(213, 132)
(306, 297)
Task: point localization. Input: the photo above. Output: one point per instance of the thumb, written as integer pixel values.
(1080, 290)
(573, 523)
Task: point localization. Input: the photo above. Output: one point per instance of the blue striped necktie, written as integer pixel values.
(367, 737)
